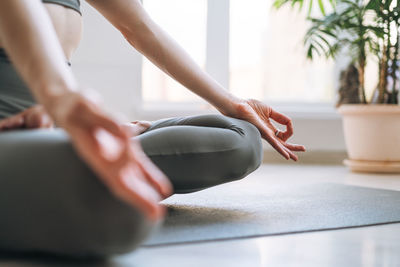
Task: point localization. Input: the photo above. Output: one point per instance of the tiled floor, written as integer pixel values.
(367, 246)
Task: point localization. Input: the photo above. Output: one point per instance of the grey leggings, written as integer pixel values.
(50, 201)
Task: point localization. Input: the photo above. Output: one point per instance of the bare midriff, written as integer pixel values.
(68, 25)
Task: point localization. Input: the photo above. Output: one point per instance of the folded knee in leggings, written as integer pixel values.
(197, 152)
(246, 153)
(50, 201)
(249, 153)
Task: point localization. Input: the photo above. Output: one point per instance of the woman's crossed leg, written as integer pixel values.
(51, 201)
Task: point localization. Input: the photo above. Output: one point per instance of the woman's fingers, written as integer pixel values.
(110, 125)
(12, 122)
(284, 120)
(270, 137)
(108, 138)
(144, 185)
(135, 190)
(291, 154)
(107, 149)
(88, 146)
(261, 115)
(124, 177)
(107, 145)
(151, 172)
(276, 145)
(36, 117)
(294, 147)
(154, 175)
(285, 149)
(130, 129)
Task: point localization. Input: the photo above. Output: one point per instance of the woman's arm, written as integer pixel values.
(129, 17)
(31, 42)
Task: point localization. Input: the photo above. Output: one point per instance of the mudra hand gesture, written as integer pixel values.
(260, 115)
(108, 149)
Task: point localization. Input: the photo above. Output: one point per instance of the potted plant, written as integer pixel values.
(362, 29)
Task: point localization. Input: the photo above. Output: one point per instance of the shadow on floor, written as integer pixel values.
(179, 215)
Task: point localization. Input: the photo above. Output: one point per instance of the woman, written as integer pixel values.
(50, 200)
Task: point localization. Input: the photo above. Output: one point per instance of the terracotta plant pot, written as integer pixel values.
(372, 135)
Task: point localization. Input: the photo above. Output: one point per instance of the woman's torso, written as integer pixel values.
(67, 23)
(15, 96)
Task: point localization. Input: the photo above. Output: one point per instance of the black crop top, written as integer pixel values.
(74, 4)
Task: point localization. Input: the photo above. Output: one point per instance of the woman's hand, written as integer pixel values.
(118, 160)
(260, 115)
(31, 118)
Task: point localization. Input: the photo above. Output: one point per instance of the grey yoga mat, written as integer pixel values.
(239, 210)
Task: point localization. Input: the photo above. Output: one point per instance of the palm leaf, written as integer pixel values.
(279, 3)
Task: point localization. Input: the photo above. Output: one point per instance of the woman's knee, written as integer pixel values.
(247, 155)
(120, 229)
(242, 153)
(106, 225)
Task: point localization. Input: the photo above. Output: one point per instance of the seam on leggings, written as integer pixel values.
(231, 127)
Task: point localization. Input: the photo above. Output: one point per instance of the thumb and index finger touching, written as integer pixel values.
(285, 135)
(284, 120)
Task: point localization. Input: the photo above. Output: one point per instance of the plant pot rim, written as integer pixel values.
(362, 109)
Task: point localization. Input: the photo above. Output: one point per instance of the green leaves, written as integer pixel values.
(346, 27)
(324, 36)
(361, 27)
(373, 5)
(321, 7)
(347, 24)
(321, 4)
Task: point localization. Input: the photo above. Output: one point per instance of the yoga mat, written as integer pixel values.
(240, 210)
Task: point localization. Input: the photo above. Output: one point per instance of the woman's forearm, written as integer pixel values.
(29, 39)
(164, 52)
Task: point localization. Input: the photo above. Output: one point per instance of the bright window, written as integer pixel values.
(186, 22)
(266, 54)
(267, 58)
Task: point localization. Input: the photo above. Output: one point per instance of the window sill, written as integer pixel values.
(302, 111)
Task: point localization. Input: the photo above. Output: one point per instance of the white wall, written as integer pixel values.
(319, 134)
(107, 63)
